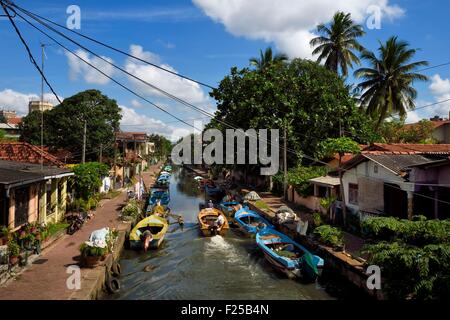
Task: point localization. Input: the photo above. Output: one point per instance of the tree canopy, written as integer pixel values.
(313, 101)
(64, 124)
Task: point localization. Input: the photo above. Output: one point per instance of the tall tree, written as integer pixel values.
(387, 82)
(64, 124)
(267, 58)
(337, 43)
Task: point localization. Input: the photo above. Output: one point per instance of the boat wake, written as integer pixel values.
(219, 246)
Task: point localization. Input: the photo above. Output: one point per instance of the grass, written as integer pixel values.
(54, 228)
(261, 205)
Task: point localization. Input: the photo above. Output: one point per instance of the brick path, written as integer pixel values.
(46, 278)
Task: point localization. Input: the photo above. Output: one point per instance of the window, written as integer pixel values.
(22, 197)
(375, 168)
(353, 193)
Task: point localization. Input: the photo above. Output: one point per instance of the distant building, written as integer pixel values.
(441, 131)
(39, 106)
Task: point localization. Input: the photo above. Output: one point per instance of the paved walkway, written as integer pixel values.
(46, 278)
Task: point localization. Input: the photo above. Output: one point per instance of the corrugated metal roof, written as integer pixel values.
(12, 172)
(326, 181)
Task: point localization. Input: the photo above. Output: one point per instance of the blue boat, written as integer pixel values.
(288, 256)
(250, 221)
(161, 195)
(227, 207)
(213, 190)
(163, 181)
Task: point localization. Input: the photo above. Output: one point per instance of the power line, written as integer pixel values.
(106, 75)
(33, 61)
(114, 49)
(181, 120)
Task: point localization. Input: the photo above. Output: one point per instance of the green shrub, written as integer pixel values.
(92, 251)
(132, 209)
(383, 229)
(329, 235)
(410, 272)
(317, 219)
(13, 248)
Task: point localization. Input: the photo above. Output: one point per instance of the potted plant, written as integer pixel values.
(13, 252)
(330, 236)
(4, 235)
(92, 254)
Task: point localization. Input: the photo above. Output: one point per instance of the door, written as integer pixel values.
(22, 198)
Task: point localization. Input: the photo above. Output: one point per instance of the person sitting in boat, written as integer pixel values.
(158, 209)
(210, 204)
(146, 239)
(220, 222)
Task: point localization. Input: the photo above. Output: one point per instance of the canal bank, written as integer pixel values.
(46, 278)
(189, 266)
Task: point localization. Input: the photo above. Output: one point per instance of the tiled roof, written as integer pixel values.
(132, 136)
(14, 121)
(404, 148)
(436, 124)
(26, 153)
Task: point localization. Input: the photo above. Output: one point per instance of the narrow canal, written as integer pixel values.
(189, 266)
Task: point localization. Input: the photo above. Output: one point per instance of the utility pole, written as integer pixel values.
(41, 107)
(83, 157)
(115, 162)
(101, 153)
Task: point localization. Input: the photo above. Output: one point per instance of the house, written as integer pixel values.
(9, 122)
(399, 180)
(136, 151)
(33, 185)
(441, 129)
(36, 105)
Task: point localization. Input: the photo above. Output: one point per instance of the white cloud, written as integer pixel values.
(184, 89)
(14, 100)
(78, 67)
(132, 121)
(288, 23)
(440, 88)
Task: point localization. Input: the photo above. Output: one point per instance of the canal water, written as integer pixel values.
(189, 266)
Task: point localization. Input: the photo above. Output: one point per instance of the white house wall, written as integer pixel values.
(370, 185)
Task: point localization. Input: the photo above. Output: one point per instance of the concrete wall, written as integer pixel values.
(370, 179)
(442, 133)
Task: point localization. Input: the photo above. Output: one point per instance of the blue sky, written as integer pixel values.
(204, 39)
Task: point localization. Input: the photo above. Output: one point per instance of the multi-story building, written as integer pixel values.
(36, 105)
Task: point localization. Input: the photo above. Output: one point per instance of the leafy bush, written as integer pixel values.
(88, 250)
(411, 272)
(417, 233)
(329, 235)
(132, 209)
(13, 248)
(88, 178)
(299, 178)
(317, 219)
(383, 229)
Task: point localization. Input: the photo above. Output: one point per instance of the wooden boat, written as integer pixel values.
(156, 225)
(250, 221)
(288, 256)
(206, 220)
(163, 182)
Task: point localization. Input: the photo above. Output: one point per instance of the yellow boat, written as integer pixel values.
(156, 225)
(207, 218)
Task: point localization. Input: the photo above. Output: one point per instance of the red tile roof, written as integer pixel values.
(436, 124)
(132, 136)
(27, 153)
(407, 148)
(14, 121)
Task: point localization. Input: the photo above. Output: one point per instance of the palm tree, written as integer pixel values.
(267, 58)
(387, 82)
(337, 42)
